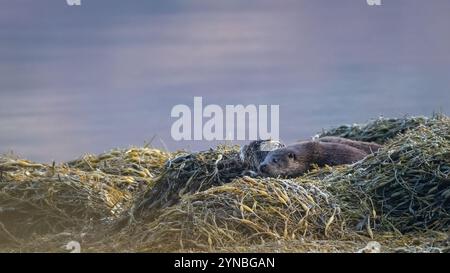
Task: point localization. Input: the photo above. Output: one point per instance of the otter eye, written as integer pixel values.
(291, 155)
(274, 160)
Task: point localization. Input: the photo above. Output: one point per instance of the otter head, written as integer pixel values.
(284, 162)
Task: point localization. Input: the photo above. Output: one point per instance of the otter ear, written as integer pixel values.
(291, 155)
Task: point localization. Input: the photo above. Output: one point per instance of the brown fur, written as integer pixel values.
(296, 159)
(368, 147)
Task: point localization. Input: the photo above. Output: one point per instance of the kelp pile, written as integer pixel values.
(243, 212)
(191, 173)
(406, 185)
(137, 162)
(41, 199)
(205, 201)
(378, 130)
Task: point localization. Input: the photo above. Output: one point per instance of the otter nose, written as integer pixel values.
(263, 168)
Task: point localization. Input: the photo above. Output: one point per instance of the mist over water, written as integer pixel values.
(77, 80)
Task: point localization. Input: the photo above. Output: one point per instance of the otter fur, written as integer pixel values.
(368, 147)
(296, 159)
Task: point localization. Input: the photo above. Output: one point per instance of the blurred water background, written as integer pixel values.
(86, 79)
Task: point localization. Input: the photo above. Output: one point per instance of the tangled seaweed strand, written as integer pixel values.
(243, 212)
(39, 198)
(379, 130)
(191, 173)
(255, 152)
(138, 162)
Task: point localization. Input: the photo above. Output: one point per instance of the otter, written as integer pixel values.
(294, 160)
